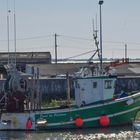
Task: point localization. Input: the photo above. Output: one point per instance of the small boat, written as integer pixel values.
(136, 125)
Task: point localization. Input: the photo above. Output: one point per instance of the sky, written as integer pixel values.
(38, 20)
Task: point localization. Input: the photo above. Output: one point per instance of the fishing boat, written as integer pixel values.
(95, 102)
(95, 105)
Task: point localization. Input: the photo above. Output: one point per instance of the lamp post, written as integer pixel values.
(101, 59)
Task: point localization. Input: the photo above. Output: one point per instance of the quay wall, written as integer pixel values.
(57, 88)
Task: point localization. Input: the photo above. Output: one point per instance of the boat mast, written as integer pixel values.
(15, 30)
(8, 44)
(8, 32)
(96, 42)
(100, 5)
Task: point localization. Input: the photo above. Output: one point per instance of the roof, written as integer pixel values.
(130, 69)
(57, 69)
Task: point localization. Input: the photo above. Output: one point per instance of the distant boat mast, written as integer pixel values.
(8, 44)
(8, 32)
(15, 30)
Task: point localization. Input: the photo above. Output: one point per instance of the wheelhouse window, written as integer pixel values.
(108, 84)
(94, 84)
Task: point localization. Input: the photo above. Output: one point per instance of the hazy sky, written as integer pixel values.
(38, 20)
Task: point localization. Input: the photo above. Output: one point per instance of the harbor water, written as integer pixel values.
(112, 133)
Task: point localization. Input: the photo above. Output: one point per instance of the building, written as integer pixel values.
(26, 57)
(22, 59)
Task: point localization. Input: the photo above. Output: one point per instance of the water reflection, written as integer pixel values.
(11, 135)
(60, 135)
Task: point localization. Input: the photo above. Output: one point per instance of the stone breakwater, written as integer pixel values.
(123, 135)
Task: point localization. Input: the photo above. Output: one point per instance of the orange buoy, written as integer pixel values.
(79, 122)
(104, 120)
(29, 124)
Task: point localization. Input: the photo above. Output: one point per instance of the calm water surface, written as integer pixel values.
(59, 135)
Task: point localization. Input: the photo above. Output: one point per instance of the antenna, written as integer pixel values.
(93, 26)
(96, 22)
(96, 41)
